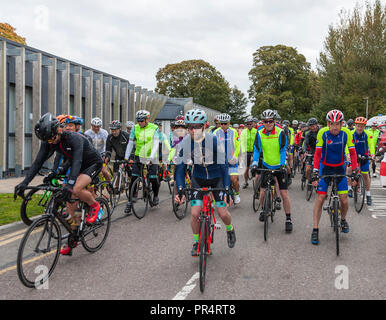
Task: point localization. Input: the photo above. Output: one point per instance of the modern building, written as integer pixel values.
(33, 82)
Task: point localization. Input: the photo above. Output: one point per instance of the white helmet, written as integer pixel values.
(130, 124)
(96, 122)
(224, 118)
(142, 115)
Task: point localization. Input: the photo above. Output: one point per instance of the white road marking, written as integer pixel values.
(190, 285)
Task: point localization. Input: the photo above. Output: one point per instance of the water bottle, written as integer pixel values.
(100, 214)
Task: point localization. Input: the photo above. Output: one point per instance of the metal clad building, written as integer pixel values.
(33, 82)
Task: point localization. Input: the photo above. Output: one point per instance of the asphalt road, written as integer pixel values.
(150, 258)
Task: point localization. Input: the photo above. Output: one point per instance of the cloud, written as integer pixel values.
(133, 39)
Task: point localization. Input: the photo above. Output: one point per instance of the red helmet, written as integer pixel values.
(242, 126)
(335, 116)
(180, 118)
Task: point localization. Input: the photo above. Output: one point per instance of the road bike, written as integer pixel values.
(207, 226)
(164, 175)
(39, 249)
(120, 183)
(180, 210)
(359, 191)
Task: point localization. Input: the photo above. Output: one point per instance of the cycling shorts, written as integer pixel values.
(249, 158)
(152, 170)
(233, 170)
(281, 178)
(325, 182)
(364, 166)
(93, 170)
(196, 196)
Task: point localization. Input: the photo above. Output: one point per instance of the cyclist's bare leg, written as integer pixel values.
(349, 172)
(366, 179)
(262, 194)
(235, 183)
(194, 219)
(224, 215)
(277, 191)
(246, 175)
(318, 209)
(286, 201)
(106, 174)
(80, 189)
(343, 205)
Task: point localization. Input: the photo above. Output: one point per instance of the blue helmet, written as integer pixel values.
(74, 119)
(195, 116)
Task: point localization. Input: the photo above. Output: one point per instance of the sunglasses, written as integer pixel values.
(268, 121)
(223, 124)
(197, 126)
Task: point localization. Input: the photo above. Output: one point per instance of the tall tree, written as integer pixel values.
(197, 79)
(353, 65)
(9, 32)
(237, 105)
(280, 80)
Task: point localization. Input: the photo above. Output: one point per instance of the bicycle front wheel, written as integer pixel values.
(94, 236)
(336, 224)
(179, 210)
(203, 254)
(139, 198)
(267, 211)
(359, 194)
(310, 189)
(33, 205)
(38, 252)
(104, 190)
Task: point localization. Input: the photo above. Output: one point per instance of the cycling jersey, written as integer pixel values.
(331, 149)
(205, 157)
(364, 145)
(118, 144)
(273, 145)
(147, 141)
(98, 139)
(247, 140)
(76, 149)
(230, 141)
(310, 142)
(375, 135)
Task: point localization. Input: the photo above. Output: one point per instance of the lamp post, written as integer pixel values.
(367, 107)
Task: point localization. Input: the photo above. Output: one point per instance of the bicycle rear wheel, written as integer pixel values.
(267, 211)
(38, 252)
(116, 191)
(203, 254)
(310, 189)
(179, 210)
(336, 224)
(256, 194)
(94, 236)
(359, 194)
(104, 190)
(139, 198)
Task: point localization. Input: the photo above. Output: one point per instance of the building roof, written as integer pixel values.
(170, 111)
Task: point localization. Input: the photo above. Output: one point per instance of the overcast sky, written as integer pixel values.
(133, 39)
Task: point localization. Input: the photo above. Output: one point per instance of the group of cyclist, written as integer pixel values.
(217, 156)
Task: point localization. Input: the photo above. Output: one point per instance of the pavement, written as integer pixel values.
(149, 259)
(8, 185)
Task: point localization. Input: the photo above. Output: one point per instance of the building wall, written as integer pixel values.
(33, 82)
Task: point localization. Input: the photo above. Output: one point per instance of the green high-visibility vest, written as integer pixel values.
(144, 139)
(270, 144)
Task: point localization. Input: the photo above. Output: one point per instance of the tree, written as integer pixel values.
(197, 79)
(9, 32)
(281, 81)
(353, 65)
(237, 105)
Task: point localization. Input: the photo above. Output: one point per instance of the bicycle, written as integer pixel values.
(333, 207)
(120, 183)
(359, 191)
(44, 237)
(269, 203)
(207, 226)
(310, 188)
(178, 209)
(256, 192)
(164, 175)
(141, 194)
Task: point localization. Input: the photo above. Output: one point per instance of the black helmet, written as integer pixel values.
(286, 123)
(47, 127)
(312, 121)
(115, 125)
(350, 122)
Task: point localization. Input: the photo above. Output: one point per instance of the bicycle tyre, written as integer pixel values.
(309, 191)
(203, 254)
(43, 223)
(359, 194)
(104, 189)
(267, 210)
(24, 214)
(116, 193)
(141, 198)
(179, 210)
(97, 225)
(336, 224)
(303, 184)
(256, 194)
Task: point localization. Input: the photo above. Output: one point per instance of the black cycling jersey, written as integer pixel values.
(76, 149)
(310, 142)
(118, 144)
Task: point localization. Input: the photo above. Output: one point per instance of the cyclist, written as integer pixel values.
(350, 124)
(272, 142)
(216, 124)
(84, 159)
(147, 138)
(247, 140)
(129, 126)
(97, 135)
(229, 138)
(288, 131)
(310, 145)
(375, 133)
(202, 151)
(364, 147)
(328, 160)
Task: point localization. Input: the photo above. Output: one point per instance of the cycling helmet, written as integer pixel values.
(224, 118)
(62, 118)
(47, 127)
(255, 120)
(158, 123)
(350, 122)
(312, 121)
(195, 116)
(295, 122)
(207, 125)
(130, 124)
(361, 120)
(236, 126)
(242, 126)
(267, 114)
(180, 117)
(142, 115)
(116, 124)
(180, 123)
(286, 123)
(278, 118)
(96, 122)
(74, 120)
(335, 116)
(248, 120)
